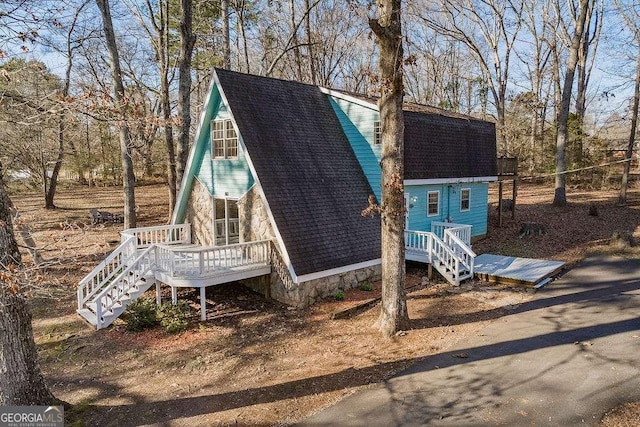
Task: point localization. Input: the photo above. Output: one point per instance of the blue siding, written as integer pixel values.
(357, 123)
(449, 208)
(230, 178)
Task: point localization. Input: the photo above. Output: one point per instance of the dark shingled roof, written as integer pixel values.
(309, 174)
(440, 143)
(439, 146)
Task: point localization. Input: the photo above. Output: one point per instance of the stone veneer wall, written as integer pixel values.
(200, 214)
(309, 292)
(256, 225)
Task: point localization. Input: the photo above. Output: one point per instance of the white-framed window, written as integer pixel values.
(224, 140)
(433, 203)
(465, 199)
(377, 133)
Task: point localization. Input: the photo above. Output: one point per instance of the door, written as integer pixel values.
(226, 222)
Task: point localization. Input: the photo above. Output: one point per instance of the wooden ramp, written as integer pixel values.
(513, 270)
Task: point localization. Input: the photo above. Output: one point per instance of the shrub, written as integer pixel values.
(366, 286)
(174, 318)
(339, 296)
(140, 314)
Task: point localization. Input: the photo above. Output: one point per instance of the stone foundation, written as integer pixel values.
(255, 225)
(309, 292)
(200, 214)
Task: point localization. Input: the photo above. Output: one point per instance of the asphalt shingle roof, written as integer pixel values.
(310, 176)
(440, 146)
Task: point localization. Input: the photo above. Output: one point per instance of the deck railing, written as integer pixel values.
(463, 251)
(452, 253)
(418, 241)
(202, 261)
(178, 234)
(462, 231)
(128, 279)
(104, 273)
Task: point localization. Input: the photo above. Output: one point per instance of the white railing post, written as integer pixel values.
(98, 313)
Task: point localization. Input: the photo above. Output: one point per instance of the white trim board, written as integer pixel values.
(256, 183)
(466, 180)
(367, 104)
(338, 270)
(192, 152)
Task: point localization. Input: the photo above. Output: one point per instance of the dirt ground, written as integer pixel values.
(255, 361)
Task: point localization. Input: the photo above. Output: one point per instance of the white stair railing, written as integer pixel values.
(132, 241)
(461, 250)
(450, 255)
(463, 231)
(104, 273)
(127, 281)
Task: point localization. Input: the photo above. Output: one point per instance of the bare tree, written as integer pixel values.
(388, 30)
(187, 42)
(21, 381)
(128, 177)
(631, 18)
(489, 28)
(226, 40)
(580, 16)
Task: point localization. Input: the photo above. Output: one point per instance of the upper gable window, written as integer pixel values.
(433, 203)
(224, 140)
(377, 133)
(465, 197)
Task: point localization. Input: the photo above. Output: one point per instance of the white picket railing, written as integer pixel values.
(104, 273)
(112, 295)
(452, 253)
(462, 231)
(419, 241)
(461, 250)
(179, 234)
(202, 261)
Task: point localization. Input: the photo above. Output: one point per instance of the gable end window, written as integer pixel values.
(433, 203)
(377, 133)
(465, 197)
(224, 140)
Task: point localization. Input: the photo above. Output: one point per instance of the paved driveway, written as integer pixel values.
(563, 359)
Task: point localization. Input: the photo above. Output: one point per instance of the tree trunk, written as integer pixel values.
(388, 29)
(9, 253)
(165, 100)
(53, 182)
(296, 48)
(184, 86)
(632, 134)
(226, 43)
(128, 176)
(560, 196)
(311, 59)
(21, 381)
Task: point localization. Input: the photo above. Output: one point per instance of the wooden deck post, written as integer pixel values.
(515, 192)
(500, 203)
(174, 295)
(158, 294)
(203, 303)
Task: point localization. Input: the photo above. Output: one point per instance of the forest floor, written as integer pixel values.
(255, 361)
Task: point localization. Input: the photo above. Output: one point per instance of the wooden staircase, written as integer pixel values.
(153, 255)
(450, 255)
(125, 274)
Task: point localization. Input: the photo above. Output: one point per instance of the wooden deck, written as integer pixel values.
(515, 271)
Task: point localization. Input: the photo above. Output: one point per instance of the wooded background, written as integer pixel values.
(62, 115)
